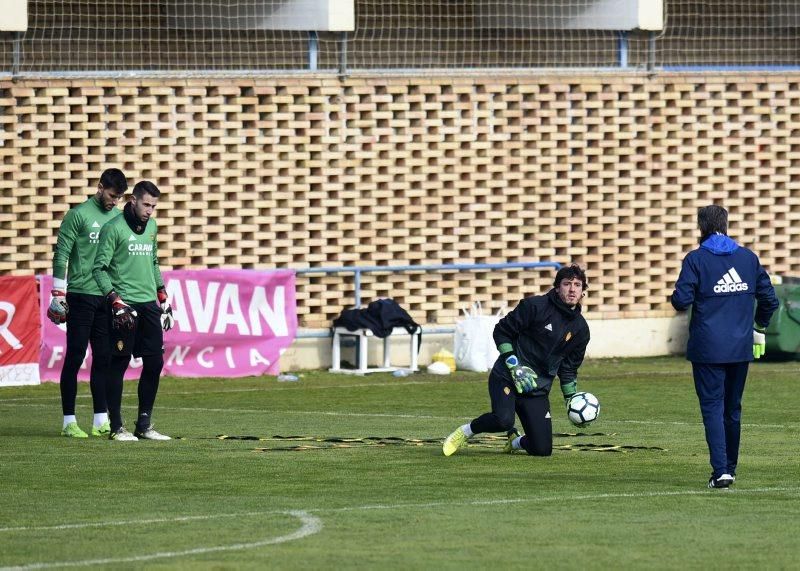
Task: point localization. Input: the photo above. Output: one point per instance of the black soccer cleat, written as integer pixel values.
(723, 481)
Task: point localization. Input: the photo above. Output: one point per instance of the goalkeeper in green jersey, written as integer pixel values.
(126, 271)
(78, 302)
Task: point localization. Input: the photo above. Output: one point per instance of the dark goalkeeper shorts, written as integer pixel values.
(146, 338)
(87, 322)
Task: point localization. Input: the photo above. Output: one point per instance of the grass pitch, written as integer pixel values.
(628, 494)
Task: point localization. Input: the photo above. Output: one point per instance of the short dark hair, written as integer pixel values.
(712, 219)
(569, 272)
(113, 178)
(146, 187)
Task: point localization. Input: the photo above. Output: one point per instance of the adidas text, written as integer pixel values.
(726, 288)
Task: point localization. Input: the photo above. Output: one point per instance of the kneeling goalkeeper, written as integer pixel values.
(544, 336)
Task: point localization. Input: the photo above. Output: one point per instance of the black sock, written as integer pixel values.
(98, 381)
(116, 371)
(148, 388)
(69, 379)
(143, 421)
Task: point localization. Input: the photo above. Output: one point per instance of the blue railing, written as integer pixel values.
(358, 270)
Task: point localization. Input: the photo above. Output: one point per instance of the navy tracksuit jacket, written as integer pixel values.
(720, 281)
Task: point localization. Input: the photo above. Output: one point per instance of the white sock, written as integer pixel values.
(69, 418)
(467, 430)
(515, 444)
(100, 418)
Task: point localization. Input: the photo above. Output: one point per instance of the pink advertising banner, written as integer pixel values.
(228, 323)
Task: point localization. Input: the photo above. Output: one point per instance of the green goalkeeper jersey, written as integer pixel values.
(77, 242)
(127, 262)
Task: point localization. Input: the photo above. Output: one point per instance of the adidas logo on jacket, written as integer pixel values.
(730, 282)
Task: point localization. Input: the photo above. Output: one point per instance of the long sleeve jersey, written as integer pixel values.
(727, 289)
(75, 249)
(548, 336)
(127, 262)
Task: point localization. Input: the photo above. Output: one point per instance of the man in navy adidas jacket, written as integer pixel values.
(722, 282)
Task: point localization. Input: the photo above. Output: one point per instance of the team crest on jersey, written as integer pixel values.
(568, 337)
(507, 391)
(120, 345)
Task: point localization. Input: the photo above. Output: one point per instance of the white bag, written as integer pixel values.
(474, 346)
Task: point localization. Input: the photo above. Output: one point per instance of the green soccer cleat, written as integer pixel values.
(72, 430)
(455, 441)
(508, 448)
(102, 430)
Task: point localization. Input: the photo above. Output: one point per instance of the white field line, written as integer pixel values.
(156, 520)
(267, 388)
(566, 498)
(268, 411)
(412, 416)
(502, 501)
(432, 417)
(271, 387)
(310, 525)
(314, 413)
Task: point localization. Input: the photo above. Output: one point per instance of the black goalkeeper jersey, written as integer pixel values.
(548, 336)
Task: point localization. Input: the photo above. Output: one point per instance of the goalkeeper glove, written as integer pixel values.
(167, 320)
(569, 390)
(524, 377)
(759, 341)
(123, 316)
(58, 310)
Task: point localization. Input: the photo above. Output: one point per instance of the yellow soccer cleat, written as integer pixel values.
(72, 430)
(508, 448)
(455, 441)
(102, 430)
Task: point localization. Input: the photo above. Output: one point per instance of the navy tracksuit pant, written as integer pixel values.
(719, 388)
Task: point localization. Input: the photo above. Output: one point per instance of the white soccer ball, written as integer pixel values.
(583, 409)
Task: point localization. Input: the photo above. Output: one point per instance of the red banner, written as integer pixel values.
(20, 333)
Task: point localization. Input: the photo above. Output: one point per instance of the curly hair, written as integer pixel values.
(569, 272)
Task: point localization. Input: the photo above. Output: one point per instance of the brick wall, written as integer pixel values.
(605, 170)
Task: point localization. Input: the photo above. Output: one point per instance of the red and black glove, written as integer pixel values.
(58, 310)
(123, 316)
(167, 320)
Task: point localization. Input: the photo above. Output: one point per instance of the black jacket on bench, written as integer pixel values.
(380, 317)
